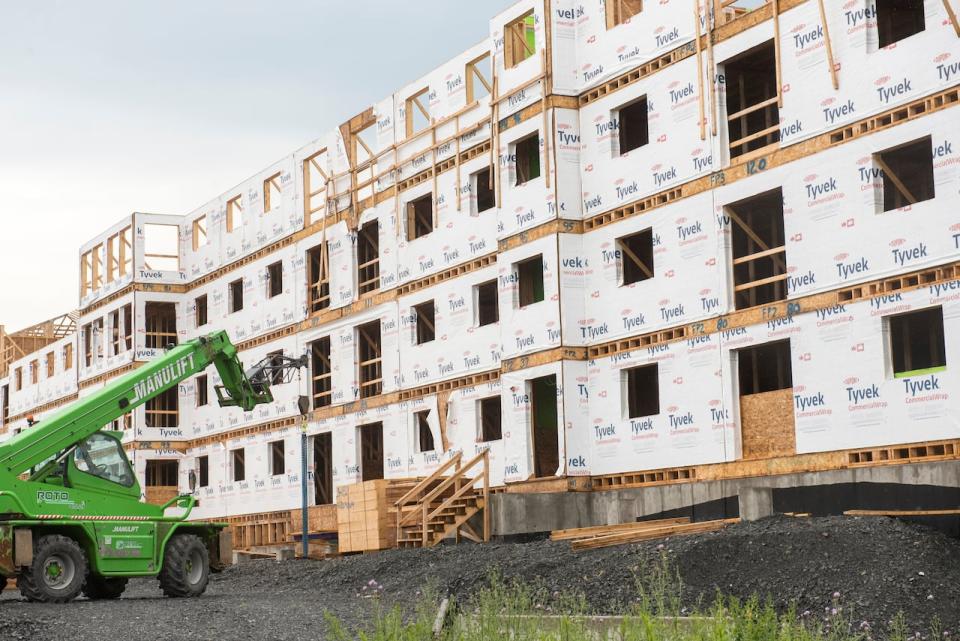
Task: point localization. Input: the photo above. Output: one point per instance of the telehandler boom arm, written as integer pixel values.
(91, 413)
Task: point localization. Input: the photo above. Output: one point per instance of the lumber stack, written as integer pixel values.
(366, 516)
(590, 538)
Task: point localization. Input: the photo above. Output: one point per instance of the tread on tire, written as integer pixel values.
(180, 575)
(54, 550)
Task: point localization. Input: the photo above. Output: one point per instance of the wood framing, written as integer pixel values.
(315, 181)
(519, 39)
(413, 106)
(478, 82)
(272, 192)
(234, 212)
(199, 232)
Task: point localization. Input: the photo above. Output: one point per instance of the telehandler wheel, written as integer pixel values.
(186, 567)
(99, 587)
(57, 573)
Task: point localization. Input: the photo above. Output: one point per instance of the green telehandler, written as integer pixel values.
(71, 519)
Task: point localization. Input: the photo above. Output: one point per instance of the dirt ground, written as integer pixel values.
(878, 566)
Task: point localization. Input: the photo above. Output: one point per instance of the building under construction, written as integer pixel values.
(619, 259)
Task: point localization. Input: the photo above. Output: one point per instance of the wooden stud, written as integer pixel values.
(829, 44)
(546, 138)
(696, 35)
(712, 70)
(776, 51)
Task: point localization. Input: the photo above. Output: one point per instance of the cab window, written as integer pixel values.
(101, 455)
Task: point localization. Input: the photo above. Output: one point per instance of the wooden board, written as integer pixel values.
(906, 513)
(767, 424)
(603, 530)
(650, 534)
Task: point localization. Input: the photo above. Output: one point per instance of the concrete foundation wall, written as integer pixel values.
(527, 513)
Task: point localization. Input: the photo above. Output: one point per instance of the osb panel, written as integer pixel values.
(160, 494)
(320, 518)
(766, 424)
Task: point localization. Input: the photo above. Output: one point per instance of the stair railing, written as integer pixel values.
(461, 484)
(413, 495)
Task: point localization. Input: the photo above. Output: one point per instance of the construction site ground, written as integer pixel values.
(877, 566)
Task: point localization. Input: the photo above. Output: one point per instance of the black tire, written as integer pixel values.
(58, 571)
(99, 587)
(186, 567)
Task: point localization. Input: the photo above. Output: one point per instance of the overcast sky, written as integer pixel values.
(110, 107)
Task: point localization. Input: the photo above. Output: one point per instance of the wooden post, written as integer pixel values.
(712, 70)
(486, 496)
(696, 35)
(776, 51)
(456, 161)
(433, 171)
(543, 108)
(426, 530)
(826, 38)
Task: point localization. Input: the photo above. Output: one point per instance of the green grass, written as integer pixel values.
(515, 611)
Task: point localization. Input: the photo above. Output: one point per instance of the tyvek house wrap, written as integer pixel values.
(871, 79)
(844, 392)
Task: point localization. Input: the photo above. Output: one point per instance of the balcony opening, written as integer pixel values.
(160, 248)
(203, 471)
(323, 469)
(238, 464)
(161, 473)
(200, 313)
(767, 426)
(318, 278)
(490, 428)
(321, 373)
(278, 458)
(202, 390)
(160, 324)
(371, 451)
(235, 295)
(274, 279)
(759, 258)
(272, 193)
(753, 119)
(543, 411)
(368, 257)
(424, 433)
(519, 39)
(163, 410)
(370, 362)
(487, 305)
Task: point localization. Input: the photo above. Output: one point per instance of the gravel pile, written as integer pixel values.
(878, 566)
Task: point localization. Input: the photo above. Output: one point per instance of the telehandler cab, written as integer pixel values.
(71, 519)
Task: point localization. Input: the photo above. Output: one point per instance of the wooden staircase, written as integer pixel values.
(442, 504)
